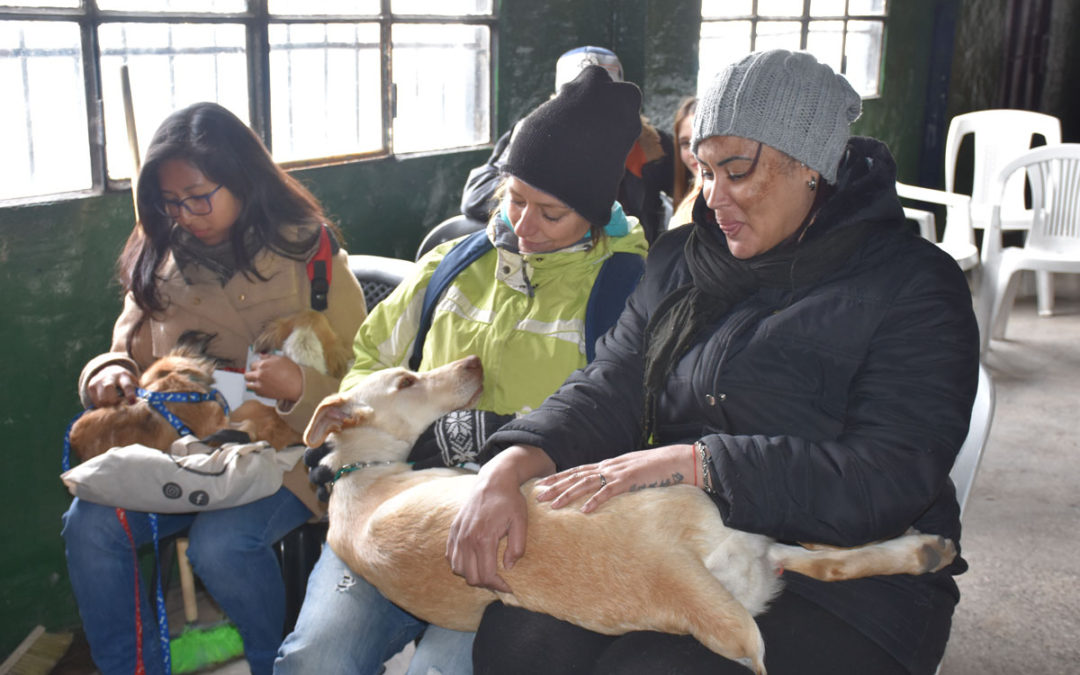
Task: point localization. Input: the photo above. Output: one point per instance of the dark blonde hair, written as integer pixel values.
(684, 182)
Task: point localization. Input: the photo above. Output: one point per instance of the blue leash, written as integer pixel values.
(157, 401)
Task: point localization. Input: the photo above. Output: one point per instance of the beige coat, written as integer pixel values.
(236, 314)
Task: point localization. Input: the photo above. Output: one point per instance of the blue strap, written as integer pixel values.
(162, 615)
(65, 459)
(614, 284)
(464, 253)
(158, 399)
(618, 277)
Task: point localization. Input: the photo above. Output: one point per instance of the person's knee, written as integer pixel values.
(345, 624)
(516, 640)
(211, 545)
(87, 525)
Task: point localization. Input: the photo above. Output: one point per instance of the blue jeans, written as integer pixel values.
(347, 626)
(230, 551)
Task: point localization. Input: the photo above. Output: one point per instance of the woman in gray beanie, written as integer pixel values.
(799, 354)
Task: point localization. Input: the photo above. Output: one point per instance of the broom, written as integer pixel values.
(196, 646)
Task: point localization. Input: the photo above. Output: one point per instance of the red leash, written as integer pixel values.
(140, 667)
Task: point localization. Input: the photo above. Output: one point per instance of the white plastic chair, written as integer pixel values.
(970, 456)
(958, 238)
(999, 136)
(1052, 244)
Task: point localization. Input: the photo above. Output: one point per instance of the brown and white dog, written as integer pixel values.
(306, 337)
(649, 560)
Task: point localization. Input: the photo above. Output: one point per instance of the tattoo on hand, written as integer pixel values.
(675, 479)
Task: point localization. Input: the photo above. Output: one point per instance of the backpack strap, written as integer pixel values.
(617, 279)
(320, 269)
(463, 254)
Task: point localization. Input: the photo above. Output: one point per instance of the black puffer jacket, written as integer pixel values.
(833, 413)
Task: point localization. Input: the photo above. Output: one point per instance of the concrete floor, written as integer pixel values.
(1020, 610)
(1020, 605)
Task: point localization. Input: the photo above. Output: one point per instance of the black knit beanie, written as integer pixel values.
(574, 146)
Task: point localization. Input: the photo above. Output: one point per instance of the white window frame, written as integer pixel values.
(756, 18)
(256, 21)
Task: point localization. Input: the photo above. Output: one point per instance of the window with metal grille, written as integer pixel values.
(318, 80)
(848, 35)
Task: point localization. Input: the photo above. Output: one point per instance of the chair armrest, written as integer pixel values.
(957, 210)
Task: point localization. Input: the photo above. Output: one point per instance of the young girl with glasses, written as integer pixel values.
(222, 245)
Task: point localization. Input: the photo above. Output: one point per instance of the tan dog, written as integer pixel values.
(621, 568)
(184, 369)
(305, 337)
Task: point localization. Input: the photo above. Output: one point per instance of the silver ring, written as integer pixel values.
(603, 481)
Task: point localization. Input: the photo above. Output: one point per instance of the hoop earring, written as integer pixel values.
(812, 184)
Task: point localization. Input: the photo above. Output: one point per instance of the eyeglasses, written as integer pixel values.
(196, 205)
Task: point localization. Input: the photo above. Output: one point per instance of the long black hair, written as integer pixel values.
(226, 151)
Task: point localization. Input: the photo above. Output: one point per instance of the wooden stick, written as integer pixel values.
(132, 136)
(187, 581)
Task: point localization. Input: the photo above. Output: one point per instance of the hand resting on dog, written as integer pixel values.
(112, 385)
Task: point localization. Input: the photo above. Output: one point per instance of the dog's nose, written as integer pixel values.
(471, 362)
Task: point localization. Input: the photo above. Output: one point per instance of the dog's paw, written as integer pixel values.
(935, 553)
(319, 471)
(312, 456)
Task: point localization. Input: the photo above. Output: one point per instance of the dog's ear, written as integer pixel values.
(273, 335)
(195, 343)
(330, 417)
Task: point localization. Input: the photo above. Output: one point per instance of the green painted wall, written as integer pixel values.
(59, 302)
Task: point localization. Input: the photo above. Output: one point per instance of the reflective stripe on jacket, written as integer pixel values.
(528, 327)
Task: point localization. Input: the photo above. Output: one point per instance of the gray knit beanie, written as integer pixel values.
(786, 100)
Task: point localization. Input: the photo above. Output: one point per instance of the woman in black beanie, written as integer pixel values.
(522, 306)
(798, 354)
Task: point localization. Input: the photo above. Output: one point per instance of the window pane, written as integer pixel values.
(719, 9)
(722, 42)
(864, 7)
(46, 146)
(778, 35)
(171, 66)
(324, 90)
(324, 7)
(441, 7)
(39, 3)
(186, 6)
(443, 91)
(827, 7)
(825, 40)
(864, 56)
(779, 7)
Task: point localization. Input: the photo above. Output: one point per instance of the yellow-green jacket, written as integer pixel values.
(523, 315)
